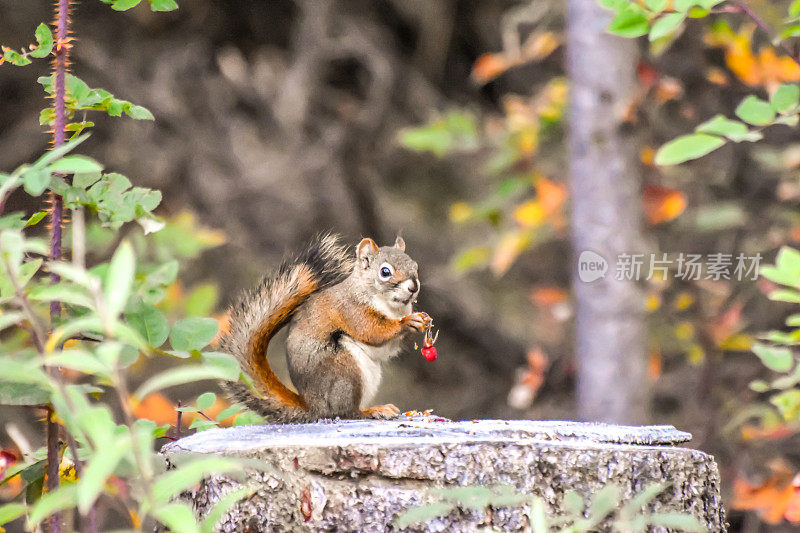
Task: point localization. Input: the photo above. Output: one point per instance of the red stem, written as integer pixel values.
(60, 71)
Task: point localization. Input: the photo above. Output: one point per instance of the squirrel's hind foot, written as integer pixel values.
(381, 412)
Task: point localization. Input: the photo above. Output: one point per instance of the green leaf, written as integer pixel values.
(631, 21)
(177, 517)
(794, 8)
(12, 393)
(138, 112)
(188, 474)
(785, 295)
(655, 5)
(229, 412)
(12, 511)
(790, 31)
(193, 333)
(201, 424)
(665, 25)
(124, 5)
(102, 464)
(35, 180)
(776, 358)
(62, 292)
(788, 264)
(225, 363)
(44, 38)
(15, 58)
(149, 322)
(206, 400)
(163, 5)
(785, 98)
(35, 218)
(201, 300)
(423, 513)
(63, 498)
(73, 164)
(732, 129)
(79, 360)
(687, 147)
(788, 403)
(179, 376)
(678, 522)
(119, 278)
(759, 386)
(604, 501)
(755, 111)
(248, 418)
(222, 506)
(12, 318)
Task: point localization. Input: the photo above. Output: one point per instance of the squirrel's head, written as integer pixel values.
(390, 274)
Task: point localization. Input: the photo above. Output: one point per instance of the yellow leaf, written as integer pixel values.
(684, 331)
(509, 248)
(696, 355)
(652, 302)
(737, 342)
(530, 214)
(683, 301)
(460, 212)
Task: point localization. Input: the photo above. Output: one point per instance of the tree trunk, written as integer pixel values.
(606, 218)
(361, 475)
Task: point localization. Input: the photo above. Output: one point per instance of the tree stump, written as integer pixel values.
(358, 475)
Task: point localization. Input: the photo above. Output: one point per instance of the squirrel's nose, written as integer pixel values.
(411, 285)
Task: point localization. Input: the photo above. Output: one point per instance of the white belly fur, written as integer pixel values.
(369, 359)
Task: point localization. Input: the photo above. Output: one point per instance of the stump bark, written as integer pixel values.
(358, 475)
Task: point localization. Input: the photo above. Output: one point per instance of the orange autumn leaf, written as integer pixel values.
(662, 204)
(489, 66)
(726, 324)
(778, 432)
(776, 499)
(224, 321)
(763, 69)
(717, 76)
(654, 365)
(551, 195)
(548, 295)
(523, 393)
(646, 155)
(668, 89)
(155, 407)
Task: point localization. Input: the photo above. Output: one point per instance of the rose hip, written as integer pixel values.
(429, 353)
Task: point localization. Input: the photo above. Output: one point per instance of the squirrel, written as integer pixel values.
(346, 314)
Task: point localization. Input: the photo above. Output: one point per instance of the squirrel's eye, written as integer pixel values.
(385, 272)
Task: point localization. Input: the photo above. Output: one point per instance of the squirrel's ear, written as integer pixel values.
(400, 243)
(366, 249)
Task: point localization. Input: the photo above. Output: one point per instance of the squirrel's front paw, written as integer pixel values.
(417, 321)
(382, 412)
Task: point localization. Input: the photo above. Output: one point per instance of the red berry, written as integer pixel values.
(429, 353)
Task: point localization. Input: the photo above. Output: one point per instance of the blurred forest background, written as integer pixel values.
(445, 121)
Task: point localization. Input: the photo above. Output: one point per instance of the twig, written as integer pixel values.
(742, 7)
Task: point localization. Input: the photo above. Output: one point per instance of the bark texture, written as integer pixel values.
(358, 475)
(606, 218)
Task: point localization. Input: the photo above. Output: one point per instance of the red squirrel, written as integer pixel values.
(346, 313)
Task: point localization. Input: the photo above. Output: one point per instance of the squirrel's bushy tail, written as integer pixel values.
(261, 312)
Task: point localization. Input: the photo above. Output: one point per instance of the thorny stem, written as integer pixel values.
(88, 523)
(61, 52)
(741, 6)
